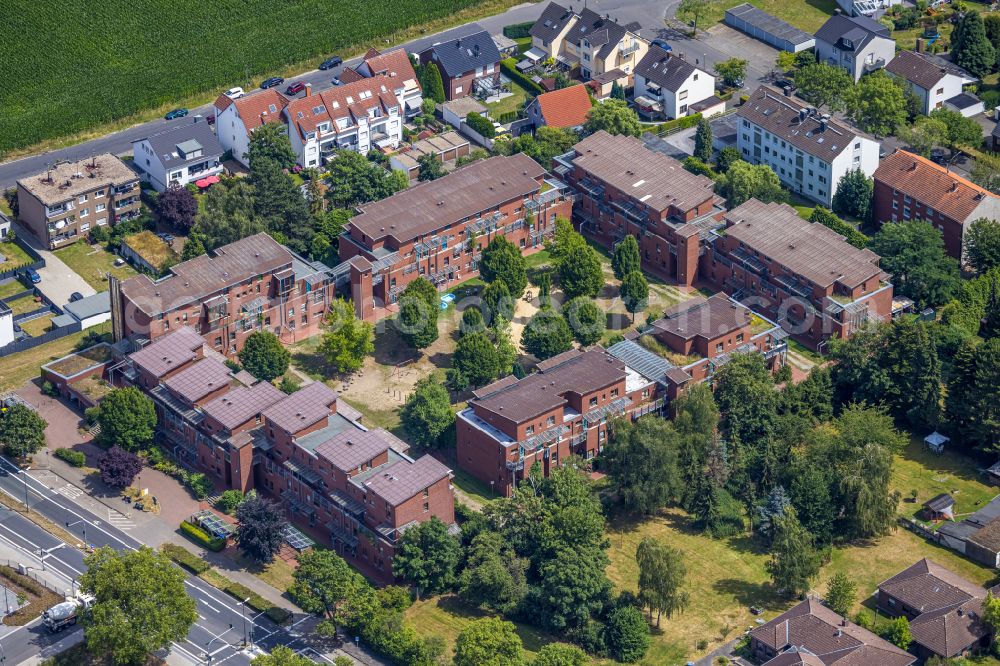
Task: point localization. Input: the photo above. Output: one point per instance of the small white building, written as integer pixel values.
(965, 103)
(933, 80)
(179, 155)
(235, 120)
(6, 325)
(857, 43)
(808, 151)
(457, 110)
(90, 310)
(669, 84)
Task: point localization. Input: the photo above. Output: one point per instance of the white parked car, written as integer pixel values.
(234, 93)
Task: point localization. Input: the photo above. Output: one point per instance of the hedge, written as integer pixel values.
(518, 30)
(201, 537)
(684, 122)
(257, 603)
(74, 458)
(185, 558)
(509, 67)
(828, 219)
(480, 125)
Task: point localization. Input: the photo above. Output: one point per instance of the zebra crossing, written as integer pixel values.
(70, 491)
(118, 520)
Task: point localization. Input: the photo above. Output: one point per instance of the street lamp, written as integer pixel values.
(25, 471)
(243, 606)
(84, 528)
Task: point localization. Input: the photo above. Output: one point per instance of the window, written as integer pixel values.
(614, 393)
(100, 208)
(176, 175)
(696, 78)
(739, 338)
(83, 198)
(84, 212)
(458, 89)
(530, 430)
(718, 348)
(99, 193)
(593, 401)
(84, 226)
(101, 221)
(551, 421)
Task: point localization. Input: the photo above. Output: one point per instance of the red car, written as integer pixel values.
(295, 88)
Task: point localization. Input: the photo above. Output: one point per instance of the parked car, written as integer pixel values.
(331, 62)
(166, 238)
(663, 44)
(176, 113)
(272, 82)
(295, 88)
(234, 93)
(336, 81)
(75, 296)
(33, 275)
(210, 119)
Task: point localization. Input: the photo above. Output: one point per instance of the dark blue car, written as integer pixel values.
(33, 275)
(176, 113)
(662, 43)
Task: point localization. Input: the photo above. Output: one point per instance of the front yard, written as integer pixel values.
(510, 103)
(16, 369)
(93, 263)
(13, 255)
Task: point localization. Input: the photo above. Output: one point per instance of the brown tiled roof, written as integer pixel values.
(813, 627)
(348, 75)
(703, 317)
(352, 101)
(70, 179)
(654, 179)
(303, 408)
(806, 248)
(172, 351)
(201, 379)
(779, 115)
(567, 107)
(950, 631)
(988, 536)
(937, 187)
(256, 108)
(198, 278)
(242, 404)
(430, 206)
(401, 480)
(928, 586)
(916, 69)
(352, 448)
(544, 390)
(395, 64)
(795, 657)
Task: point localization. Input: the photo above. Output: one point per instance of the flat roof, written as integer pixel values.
(432, 205)
(81, 361)
(66, 180)
(90, 306)
(770, 24)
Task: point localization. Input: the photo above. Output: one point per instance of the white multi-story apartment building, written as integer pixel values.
(857, 43)
(182, 154)
(809, 151)
(356, 116)
(395, 65)
(235, 120)
(670, 84)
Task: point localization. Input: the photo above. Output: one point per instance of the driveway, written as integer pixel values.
(58, 279)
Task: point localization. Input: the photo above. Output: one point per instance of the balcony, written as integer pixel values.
(627, 50)
(340, 533)
(872, 66)
(515, 466)
(59, 210)
(748, 261)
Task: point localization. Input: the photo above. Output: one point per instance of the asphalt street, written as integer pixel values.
(647, 13)
(223, 626)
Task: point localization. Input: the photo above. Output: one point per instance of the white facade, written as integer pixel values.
(812, 177)
(367, 133)
(162, 176)
(232, 133)
(698, 86)
(949, 86)
(6, 325)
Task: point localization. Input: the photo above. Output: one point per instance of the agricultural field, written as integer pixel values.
(162, 54)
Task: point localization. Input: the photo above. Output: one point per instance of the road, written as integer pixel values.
(223, 624)
(646, 12)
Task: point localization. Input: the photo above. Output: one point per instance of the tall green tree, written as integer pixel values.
(494, 577)
(822, 84)
(279, 204)
(866, 441)
(476, 359)
(354, 180)
(970, 48)
(625, 258)
(502, 261)
(431, 83)
(585, 319)
(794, 560)
(854, 194)
(841, 594)
(140, 604)
(347, 340)
(127, 418)
(228, 215)
(430, 167)
(924, 135)
(260, 525)
(982, 244)
(270, 142)
(648, 487)
(961, 131)
(284, 656)
(427, 413)
(489, 642)
(428, 556)
(746, 181)
(662, 574)
(614, 117)
(546, 335)
(323, 583)
(22, 431)
(898, 632)
(635, 292)
(627, 634)
(580, 272)
(418, 314)
(733, 71)
(497, 302)
(560, 654)
(877, 104)
(263, 356)
(703, 141)
(912, 251)
(694, 10)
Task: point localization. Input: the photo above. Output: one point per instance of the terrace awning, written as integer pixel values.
(535, 54)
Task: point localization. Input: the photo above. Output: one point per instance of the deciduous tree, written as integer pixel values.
(694, 10)
(733, 72)
(284, 656)
(354, 180)
(627, 634)
(635, 292)
(427, 413)
(428, 556)
(494, 577)
(546, 335)
(585, 319)
(347, 340)
(580, 272)
(924, 135)
(854, 194)
(648, 487)
(263, 356)
(489, 641)
(560, 654)
(746, 181)
(418, 314)
(324, 583)
(502, 261)
(841, 594)
(22, 431)
(269, 142)
(260, 523)
(177, 207)
(877, 104)
(614, 117)
(119, 467)
(476, 359)
(898, 631)
(794, 560)
(662, 575)
(625, 258)
(497, 302)
(127, 418)
(822, 84)
(913, 253)
(982, 244)
(430, 167)
(961, 131)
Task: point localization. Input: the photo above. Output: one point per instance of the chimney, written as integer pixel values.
(309, 89)
(954, 186)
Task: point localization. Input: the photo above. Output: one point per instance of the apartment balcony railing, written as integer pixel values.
(595, 190)
(792, 286)
(342, 534)
(627, 50)
(648, 408)
(515, 466)
(59, 210)
(613, 408)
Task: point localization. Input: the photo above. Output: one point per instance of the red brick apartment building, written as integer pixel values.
(351, 487)
(250, 285)
(561, 410)
(802, 274)
(695, 338)
(625, 188)
(62, 205)
(910, 187)
(426, 230)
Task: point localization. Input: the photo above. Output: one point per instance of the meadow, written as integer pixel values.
(75, 65)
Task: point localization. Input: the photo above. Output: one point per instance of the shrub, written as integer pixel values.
(518, 30)
(480, 125)
(202, 538)
(828, 219)
(185, 558)
(684, 122)
(509, 68)
(697, 167)
(199, 484)
(49, 389)
(230, 500)
(74, 458)
(256, 602)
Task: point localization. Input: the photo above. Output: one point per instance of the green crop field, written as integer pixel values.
(73, 65)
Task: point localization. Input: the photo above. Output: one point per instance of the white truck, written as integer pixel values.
(65, 614)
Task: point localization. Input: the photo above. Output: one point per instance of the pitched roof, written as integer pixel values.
(916, 69)
(656, 180)
(598, 30)
(302, 409)
(988, 536)
(812, 627)
(553, 21)
(349, 449)
(567, 107)
(256, 108)
(940, 502)
(351, 102)
(795, 657)
(806, 248)
(394, 64)
(66, 180)
(950, 631)
(170, 352)
(851, 32)
(201, 379)
(401, 480)
(790, 119)
(928, 586)
(665, 69)
(429, 206)
(167, 145)
(198, 278)
(703, 317)
(242, 404)
(937, 187)
(464, 54)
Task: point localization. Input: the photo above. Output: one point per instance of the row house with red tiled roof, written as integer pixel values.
(910, 187)
(397, 67)
(353, 488)
(236, 119)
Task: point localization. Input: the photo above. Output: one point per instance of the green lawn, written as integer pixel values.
(907, 39)
(471, 486)
(93, 263)
(808, 15)
(14, 256)
(508, 104)
(37, 326)
(11, 287)
(22, 305)
(16, 369)
(802, 350)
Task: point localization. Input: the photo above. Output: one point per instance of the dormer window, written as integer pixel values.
(272, 108)
(323, 127)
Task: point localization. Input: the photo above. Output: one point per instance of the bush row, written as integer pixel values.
(509, 67)
(828, 219)
(74, 458)
(257, 603)
(201, 537)
(185, 558)
(683, 122)
(518, 30)
(480, 125)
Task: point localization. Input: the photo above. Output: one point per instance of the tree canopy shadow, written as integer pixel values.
(751, 594)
